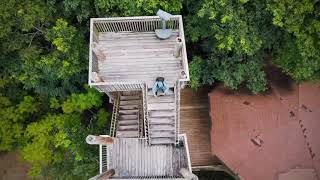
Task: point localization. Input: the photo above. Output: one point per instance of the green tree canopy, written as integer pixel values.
(299, 53)
(233, 42)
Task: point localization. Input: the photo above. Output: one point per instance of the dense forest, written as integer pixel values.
(47, 110)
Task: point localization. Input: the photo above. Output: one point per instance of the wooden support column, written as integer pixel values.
(188, 174)
(106, 175)
(102, 140)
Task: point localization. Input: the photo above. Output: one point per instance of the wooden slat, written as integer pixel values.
(135, 159)
(196, 123)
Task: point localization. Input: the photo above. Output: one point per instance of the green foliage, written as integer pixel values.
(103, 117)
(81, 102)
(196, 68)
(135, 7)
(57, 139)
(13, 118)
(299, 55)
(232, 39)
(51, 74)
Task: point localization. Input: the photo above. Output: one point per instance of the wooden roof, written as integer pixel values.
(195, 122)
(284, 122)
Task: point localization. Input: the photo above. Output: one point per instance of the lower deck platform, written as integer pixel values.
(134, 158)
(138, 57)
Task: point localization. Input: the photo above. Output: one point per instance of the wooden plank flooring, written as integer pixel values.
(196, 123)
(133, 158)
(138, 57)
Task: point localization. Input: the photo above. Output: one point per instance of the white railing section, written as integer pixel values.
(184, 50)
(145, 112)
(184, 138)
(133, 24)
(117, 86)
(115, 116)
(103, 158)
(177, 106)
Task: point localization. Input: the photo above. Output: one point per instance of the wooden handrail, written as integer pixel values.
(115, 115)
(133, 24)
(177, 106)
(145, 112)
(116, 86)
(184, 51)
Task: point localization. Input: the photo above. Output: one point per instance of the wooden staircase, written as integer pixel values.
(129, 112)
(161, 115)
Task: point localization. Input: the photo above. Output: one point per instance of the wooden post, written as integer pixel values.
(91, 139)
(106, 175)
(188, 174)
(177, 47)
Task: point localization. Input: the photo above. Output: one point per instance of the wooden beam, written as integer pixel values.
(106, 175)
(102, 140)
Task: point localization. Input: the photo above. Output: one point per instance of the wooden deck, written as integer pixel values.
(196, 123)
(134, 158)
(138, 57)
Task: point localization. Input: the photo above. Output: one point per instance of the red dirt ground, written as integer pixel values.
(11, 167)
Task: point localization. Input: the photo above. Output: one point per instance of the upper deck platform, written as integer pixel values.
(125, 53)
(138, 56)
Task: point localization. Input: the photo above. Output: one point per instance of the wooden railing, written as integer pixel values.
(133, 24)
(145, 112)
(103, 157)
(118, 86)
(115, 116)
(177, 106)
(184, 51)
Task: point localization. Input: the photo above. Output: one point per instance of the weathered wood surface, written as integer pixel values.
(135, 158)
(103, 140)
(196, 123)
(138, 57)
(161, 119)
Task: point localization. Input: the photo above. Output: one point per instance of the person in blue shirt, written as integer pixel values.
(160, 87)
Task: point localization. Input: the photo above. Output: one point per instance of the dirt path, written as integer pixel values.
(11, 167)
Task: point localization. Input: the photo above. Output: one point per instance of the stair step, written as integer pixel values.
(130, 102)
(161, 114)
(161, 99)
(162, 140)
(128, 107)
(127, 122)
(129, 127)
(133, 111)
(128, 117)
(162, 134)
(164, 120)
(130, 97)
(127, 134)
(169, 93)
(163, 127)
(161, 106)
